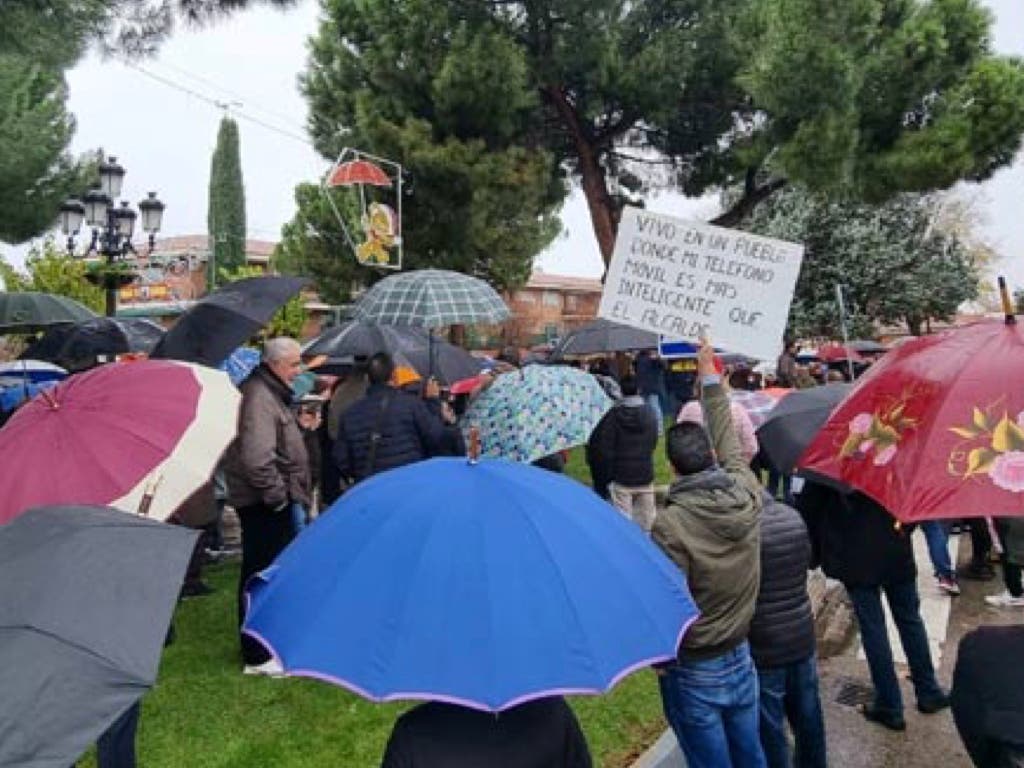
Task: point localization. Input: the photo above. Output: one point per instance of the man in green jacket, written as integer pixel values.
(711, 530)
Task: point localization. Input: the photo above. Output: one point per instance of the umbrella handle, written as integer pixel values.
(474, 444)
(147, 497)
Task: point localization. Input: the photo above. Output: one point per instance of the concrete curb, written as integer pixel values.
(663, 754)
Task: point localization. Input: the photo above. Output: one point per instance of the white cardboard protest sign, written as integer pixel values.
(682, 279)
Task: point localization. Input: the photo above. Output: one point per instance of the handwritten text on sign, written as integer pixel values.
(683, 279)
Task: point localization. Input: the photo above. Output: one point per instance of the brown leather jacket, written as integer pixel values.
(267, 464)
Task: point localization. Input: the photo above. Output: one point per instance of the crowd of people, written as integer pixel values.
(743, 690)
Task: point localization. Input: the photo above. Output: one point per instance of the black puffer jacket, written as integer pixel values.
(625, 444)
(782, 631)
(410, 430)
(856, 540)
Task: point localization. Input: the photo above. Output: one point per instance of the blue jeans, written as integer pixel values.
(791, 693)
(712, 707)
(654, 401)
(936, 533)
(906, 612)
(298, 517)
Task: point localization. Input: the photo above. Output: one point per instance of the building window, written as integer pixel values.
(553, 299)
(571, 303)
(525, 297)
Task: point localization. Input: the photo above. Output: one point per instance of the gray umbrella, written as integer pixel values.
(29, 311)
(602, 336)
(88, 595)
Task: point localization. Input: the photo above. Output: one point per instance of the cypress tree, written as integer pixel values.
(226, 213)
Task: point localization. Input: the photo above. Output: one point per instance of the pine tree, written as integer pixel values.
(226, 217)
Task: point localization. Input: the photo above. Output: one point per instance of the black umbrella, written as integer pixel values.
(410, 345)
(794, 422)
(219, 323)
(88, 595)
(78, 345)
(602, 336)
(29, 311)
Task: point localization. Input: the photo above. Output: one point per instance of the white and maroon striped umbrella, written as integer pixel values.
(140, 436)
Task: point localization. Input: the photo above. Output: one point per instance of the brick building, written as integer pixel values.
(550, 305)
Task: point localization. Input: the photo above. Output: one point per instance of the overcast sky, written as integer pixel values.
(160, 119)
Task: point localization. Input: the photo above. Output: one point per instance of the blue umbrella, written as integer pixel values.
(240, 363)
(485, 585)
(13, 395)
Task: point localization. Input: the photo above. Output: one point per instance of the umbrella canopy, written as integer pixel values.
(430, 298)
(789, 428)
(837, 353)
(19, 371)
(603, 336)
(29, 311)
(935, 429)
(89, 595)
(108, 435)
(78, 345)
(868, 347)
(523, 584)
(759, 403)
(536, 411)
(411, 346)
(219, 323)
(240, 363)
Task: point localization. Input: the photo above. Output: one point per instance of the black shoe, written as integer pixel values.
(933, 705)
(195, 589)
(891, 720)
(978, 572)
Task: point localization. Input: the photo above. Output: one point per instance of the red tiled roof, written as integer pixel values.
(255, 249)
(543, 280)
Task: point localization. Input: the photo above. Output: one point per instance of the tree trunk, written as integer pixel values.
(752, 197)
(604, 215)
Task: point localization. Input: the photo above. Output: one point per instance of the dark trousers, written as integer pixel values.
(906, 612)
(790, 693)
(116, 747)
(981, 541)
(1011, 571)
(265, 534)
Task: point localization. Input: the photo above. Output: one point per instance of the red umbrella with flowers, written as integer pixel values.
(936, 429)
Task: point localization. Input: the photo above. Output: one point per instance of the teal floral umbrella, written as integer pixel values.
(534, 412)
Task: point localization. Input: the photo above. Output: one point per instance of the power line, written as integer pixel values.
(215, 102)
(285, 119)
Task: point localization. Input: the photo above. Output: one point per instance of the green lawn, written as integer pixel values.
(203, 713)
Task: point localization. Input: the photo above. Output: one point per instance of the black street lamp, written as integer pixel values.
(112, 228)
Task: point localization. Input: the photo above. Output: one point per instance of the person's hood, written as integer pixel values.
(631, 412)
(719, 504)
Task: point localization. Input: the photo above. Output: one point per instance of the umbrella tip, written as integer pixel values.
(1004, 295)
(474, 444)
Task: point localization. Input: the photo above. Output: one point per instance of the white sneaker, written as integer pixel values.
(1005, 600)
(271, 668)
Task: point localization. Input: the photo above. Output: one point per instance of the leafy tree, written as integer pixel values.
(35, 129)
(49, 269)
(226, 212)
(479, 196)
(864, 98)
(893, 261)
(287, 321)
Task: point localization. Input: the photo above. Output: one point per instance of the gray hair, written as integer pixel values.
(279, 349)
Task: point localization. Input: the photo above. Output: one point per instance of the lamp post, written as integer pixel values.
(112, 226)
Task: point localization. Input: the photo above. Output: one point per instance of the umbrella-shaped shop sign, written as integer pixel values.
(88, 596)
(536, 411)
(378, 184)
(485, 584)
(140, 436)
